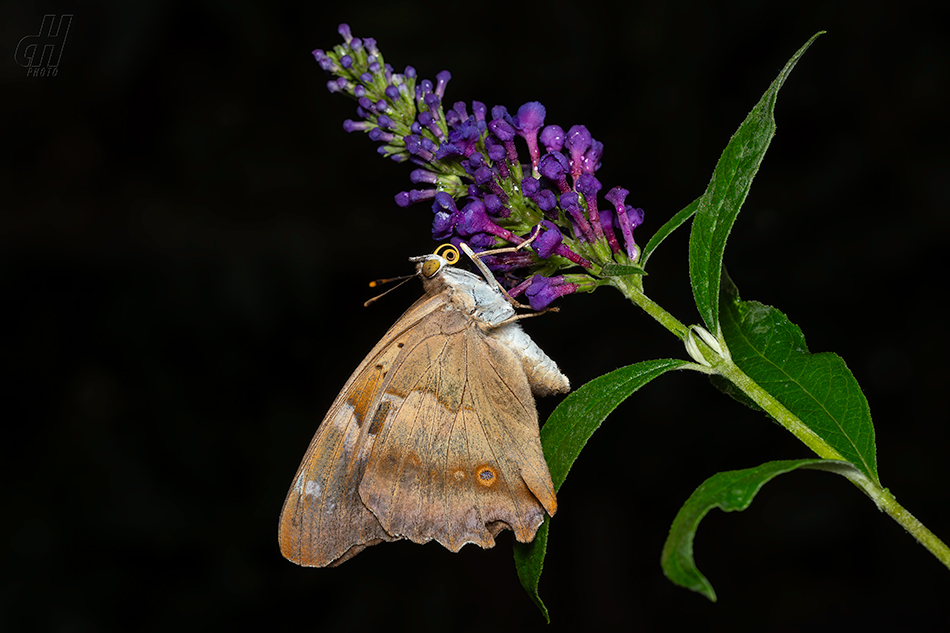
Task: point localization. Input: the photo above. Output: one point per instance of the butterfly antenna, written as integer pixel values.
(403, 279)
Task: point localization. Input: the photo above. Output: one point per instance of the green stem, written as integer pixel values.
(887, 503)
(727, 369)
(629, 287)
(881, 496)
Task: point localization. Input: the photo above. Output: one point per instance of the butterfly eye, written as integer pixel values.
(430, 268)
(449, 253)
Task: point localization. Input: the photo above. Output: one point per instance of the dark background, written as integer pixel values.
(185, 239)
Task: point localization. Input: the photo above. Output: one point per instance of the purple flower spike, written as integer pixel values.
(544, 290)
(528, 121)
(456, 154)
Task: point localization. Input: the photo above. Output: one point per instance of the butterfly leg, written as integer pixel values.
(518, 317)
(489, 277)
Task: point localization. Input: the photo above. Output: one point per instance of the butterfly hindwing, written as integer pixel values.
(451, 462)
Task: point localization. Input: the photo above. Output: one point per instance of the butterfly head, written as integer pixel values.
(428, 266)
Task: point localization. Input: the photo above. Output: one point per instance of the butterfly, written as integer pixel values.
(435, 435)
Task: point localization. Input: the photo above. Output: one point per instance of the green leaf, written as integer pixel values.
(619, 270)
(818, 388)
(727, 190)
(565, 434)
(580, 414)
(529, 561)
(729, 491)
(671, 225)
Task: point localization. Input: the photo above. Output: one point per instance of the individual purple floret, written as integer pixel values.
(544, 290)
(528, 121)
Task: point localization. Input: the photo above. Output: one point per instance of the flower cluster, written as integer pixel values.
(473, 156)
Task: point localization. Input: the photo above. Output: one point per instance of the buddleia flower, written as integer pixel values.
(493, 179)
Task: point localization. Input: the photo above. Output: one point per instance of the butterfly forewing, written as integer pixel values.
(323, 516)
(447, 464)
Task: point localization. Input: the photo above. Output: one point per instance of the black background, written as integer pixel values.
(185, 239)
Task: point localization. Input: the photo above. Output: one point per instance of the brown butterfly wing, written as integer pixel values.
(324, 521)
(457, 457)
